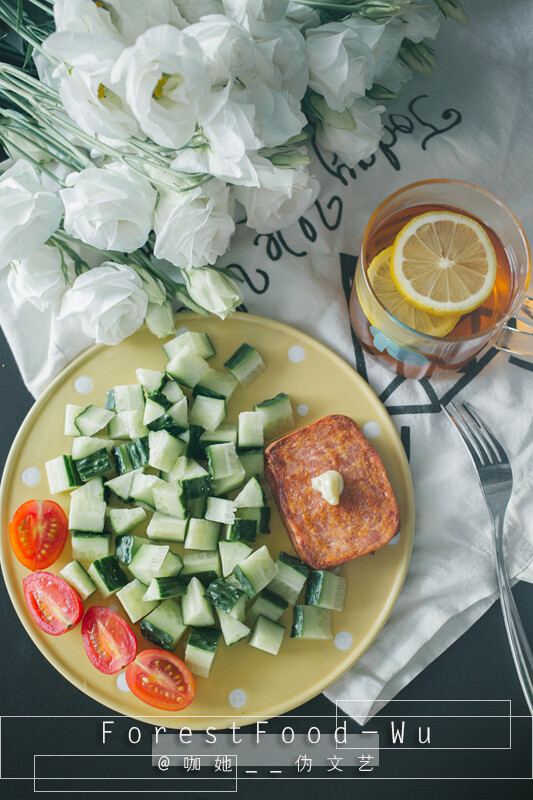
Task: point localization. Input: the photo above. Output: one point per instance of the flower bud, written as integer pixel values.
(160, 318)
(213, 290)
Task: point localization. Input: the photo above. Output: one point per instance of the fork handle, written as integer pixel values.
(520, 649)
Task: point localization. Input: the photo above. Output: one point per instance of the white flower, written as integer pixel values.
(248, 11)
(84, 82)
(395, 76)
(29, 214)
(193, 228)
(282, 56)
(83, 16)
(194, 10)
(110, 208)
(133, 17)
(213, 290)
(341, 64)
(160, 318)
(420, 21)
(228, 48)
(353, 145)
(302, 16)
(384, 40)
(278, 115)
(283, 196)
(238, 170)
(41, 278)
(165, 78)
(109, 303)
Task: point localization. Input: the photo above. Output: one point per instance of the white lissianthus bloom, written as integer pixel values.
(110, 208)
(109, 303)
(302, 16)
(213, 290)
(421, 21)
(238, 170)
(282, 58)
(395, 76)
(278, 115)
(84, 83)
(193, 10)
(352, 144)
(29, 214)
(193, 228)
(384, 40)
(281, 199)
(84, 16)
(41, 278)
(247, 11)
(228, 48)
(341, 64)
(164, 78)
(131, 18)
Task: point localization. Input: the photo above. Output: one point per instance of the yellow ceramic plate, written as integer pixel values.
(319, 383)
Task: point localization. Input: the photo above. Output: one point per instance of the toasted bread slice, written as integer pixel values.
(366, 516)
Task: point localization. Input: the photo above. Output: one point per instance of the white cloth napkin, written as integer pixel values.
(471, 121)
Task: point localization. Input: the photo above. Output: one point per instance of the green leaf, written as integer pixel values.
(452, 9)
(379, 92)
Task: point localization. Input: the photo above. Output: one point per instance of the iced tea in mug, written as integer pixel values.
(417, 343)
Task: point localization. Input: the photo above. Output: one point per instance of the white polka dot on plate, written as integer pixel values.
(395, 539)
(371, 430)
(83, 384)
(30, 476)
(343, 640)
(302, 410)
(122, 686)
(237, 698)
(114, 606)
(296, 353)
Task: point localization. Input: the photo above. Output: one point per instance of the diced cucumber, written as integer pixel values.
(92, 490)
(251, 495)
(200, 650)
(147, 562)
(167, 422)
(187, 367)
(151, 380)
(233, 630)
(267, 635)
(202, 534)
(132, 598)
(124, 520)
(250, 431)
(128, 398)
(241, 530)
(163, 588)
(225, 468)
(204, 565)
(199, 343)
(142, 488)
(292, 574)
(216, 384)
(231, 552)
(77, 577)
(223, 595)
(172, 565)
(267, 604)
(277, 415)
(261, 517)
(166, 528)
(219, 510)
(62, 474)
(121, 485)
(256, 571)
(169, 499)
(71, 412)
(191, 439)
(226, 432)
(172, 391)
(245, 364)
(164, 625)
(88, 546)
(153, 410)
(207, 412)
(122, 459)
(138, 451)
(253, 462)
(119, 426)
(126, 546)
(92, 419)
(107, 575)
(325, 589)
(312, 622)
(86, 514)
(196, 506)
(164, 450)
(84, 446)
(195, 608)
(99, 463)
(195, 480)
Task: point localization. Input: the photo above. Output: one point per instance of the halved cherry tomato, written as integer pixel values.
(54, 605)
(109, 641)
(38, 532)
(160, 679)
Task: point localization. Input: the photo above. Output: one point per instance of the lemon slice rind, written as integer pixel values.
(450, 257)
(387, 293)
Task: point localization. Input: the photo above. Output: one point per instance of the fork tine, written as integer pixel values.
(488, 433)
(463, 430)
(487, 456)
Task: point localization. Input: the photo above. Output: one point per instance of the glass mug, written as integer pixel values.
(418, 355)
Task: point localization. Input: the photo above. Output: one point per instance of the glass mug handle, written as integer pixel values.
(519, 342)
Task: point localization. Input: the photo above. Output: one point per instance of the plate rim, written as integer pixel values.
(221, 721)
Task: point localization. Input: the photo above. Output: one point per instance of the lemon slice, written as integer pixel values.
(443, 262)
(387, 292)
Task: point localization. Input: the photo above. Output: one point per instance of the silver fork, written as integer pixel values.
(496, 480)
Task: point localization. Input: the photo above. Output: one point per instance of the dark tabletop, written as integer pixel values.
(476, 749)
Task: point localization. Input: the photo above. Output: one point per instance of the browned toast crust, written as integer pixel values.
(367, 515)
